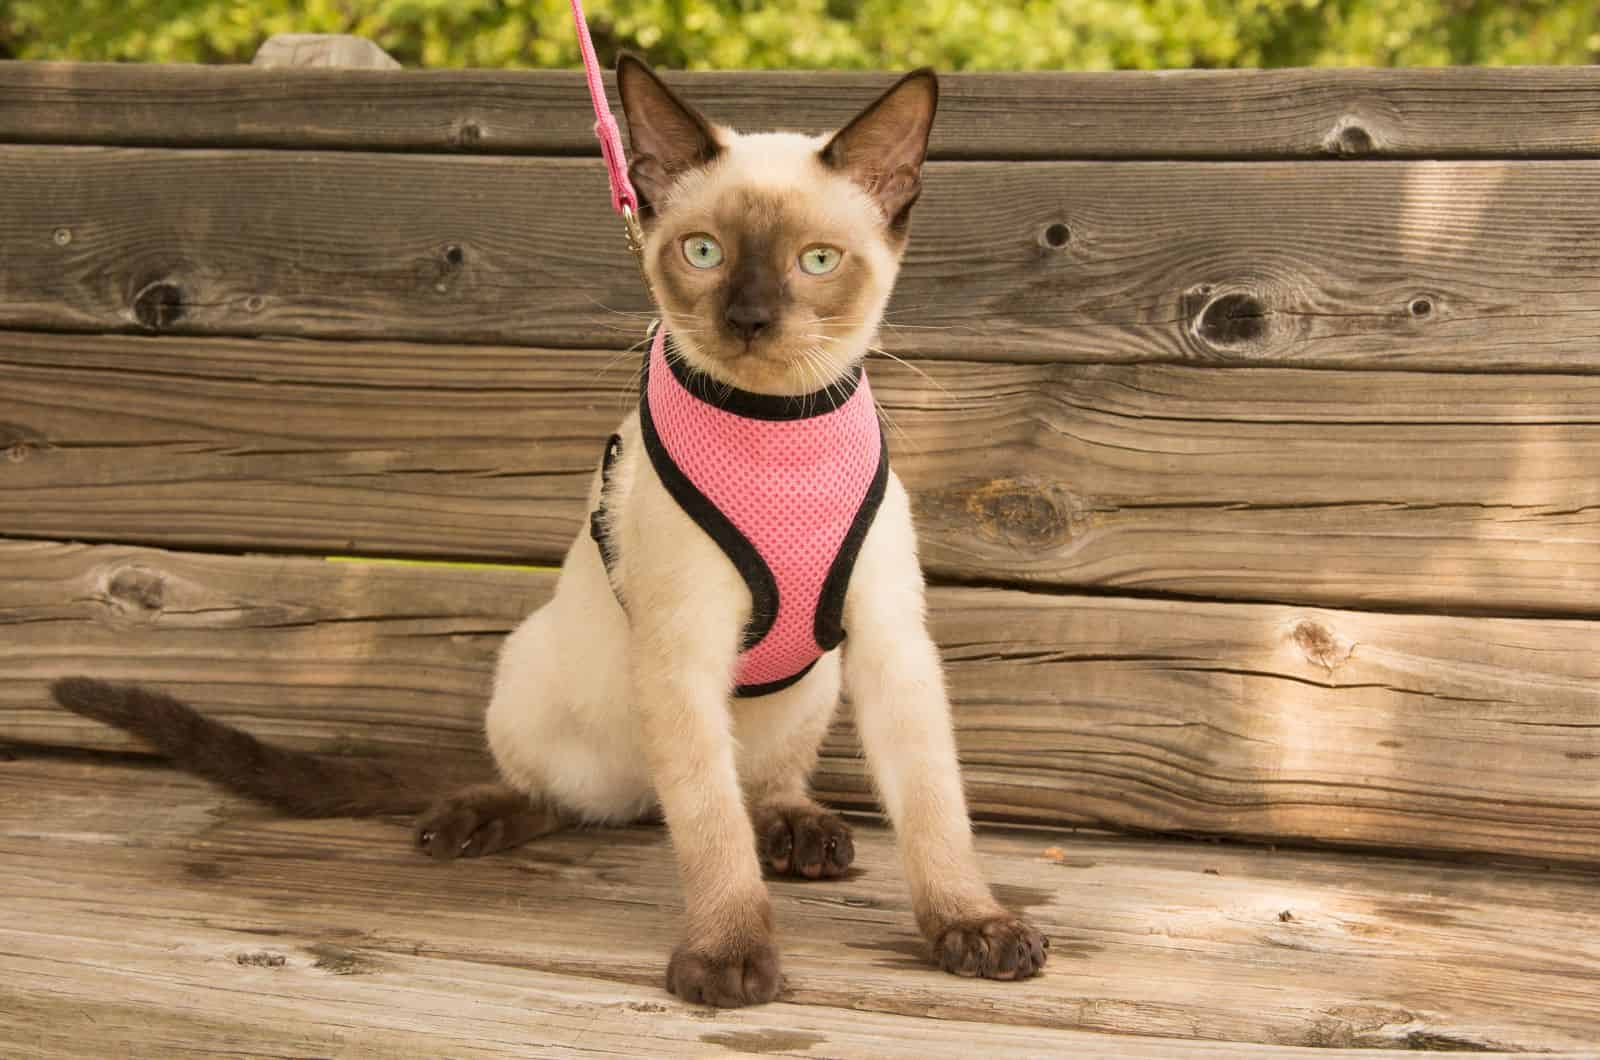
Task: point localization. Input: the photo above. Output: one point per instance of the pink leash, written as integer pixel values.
(623, 198)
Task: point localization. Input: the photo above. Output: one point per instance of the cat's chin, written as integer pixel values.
(763, 371)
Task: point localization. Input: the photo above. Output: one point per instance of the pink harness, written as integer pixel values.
(786, 486)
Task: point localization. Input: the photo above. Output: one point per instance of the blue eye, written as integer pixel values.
(820, 260)
(701, 251)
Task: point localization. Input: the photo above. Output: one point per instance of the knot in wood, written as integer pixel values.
(1031, 514)
(1348, 139)
(159, 305)
(442, 272)
(1235, 319)
(17, 441)
(1320, 644)
(468, 134)
(137, 589)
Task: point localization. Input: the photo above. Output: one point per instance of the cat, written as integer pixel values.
(676, 671)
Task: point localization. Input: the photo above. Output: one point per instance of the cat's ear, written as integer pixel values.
(883, 147)
(668, 135)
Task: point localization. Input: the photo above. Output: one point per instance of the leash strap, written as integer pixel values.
(623, 198)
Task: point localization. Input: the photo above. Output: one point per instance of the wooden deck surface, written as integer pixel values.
(147, 915)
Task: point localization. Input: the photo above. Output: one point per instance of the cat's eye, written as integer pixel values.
(702, 251)
(820, 259)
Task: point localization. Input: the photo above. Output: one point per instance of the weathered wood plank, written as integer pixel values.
(1471, 492)
(147, 882)
(176, 988)
(1455, 113)
(1376, 265)
(1432, 733)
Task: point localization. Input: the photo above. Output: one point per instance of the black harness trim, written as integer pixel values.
(599, 529)
(828, 626)
(746, 559)
(753, 406)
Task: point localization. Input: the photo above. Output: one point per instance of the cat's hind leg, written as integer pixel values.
(560, 722)
(483, 819)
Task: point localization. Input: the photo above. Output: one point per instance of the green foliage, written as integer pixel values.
(879, 34)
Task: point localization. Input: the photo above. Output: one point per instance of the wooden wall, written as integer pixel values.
(1253, 421)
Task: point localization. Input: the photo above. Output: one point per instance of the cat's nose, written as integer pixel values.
(748, 319)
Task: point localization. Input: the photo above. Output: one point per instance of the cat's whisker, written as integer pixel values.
(817, 376)
(637, 314)
(915, 368)
(901, 360)
(883, 413)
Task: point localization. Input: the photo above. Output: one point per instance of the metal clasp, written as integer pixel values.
(635, 235)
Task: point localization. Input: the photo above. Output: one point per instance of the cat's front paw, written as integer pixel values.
(749, 977)
(997, 947)
(805, 841)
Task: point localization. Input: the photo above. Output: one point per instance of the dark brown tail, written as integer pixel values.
(305, 785)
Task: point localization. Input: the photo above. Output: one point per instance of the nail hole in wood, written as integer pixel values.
(1232, 319)
(454, 255)
(1057, 235)
(1421, 307)
(469, 134)
(159, 305)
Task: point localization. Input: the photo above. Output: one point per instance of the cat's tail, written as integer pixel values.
(305, 785)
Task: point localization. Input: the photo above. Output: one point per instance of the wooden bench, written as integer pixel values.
(1253, 423)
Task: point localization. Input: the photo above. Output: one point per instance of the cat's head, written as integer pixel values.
(772, 255)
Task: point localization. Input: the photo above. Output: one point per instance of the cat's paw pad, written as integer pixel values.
(749, 977)
(811, 843)
(998, 947)
(480, 821)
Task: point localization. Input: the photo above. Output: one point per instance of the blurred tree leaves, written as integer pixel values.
(878, 34)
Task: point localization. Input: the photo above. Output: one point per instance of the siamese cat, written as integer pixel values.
(749, 550)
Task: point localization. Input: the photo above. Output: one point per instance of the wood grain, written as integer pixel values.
(181, 989)
(1455, 113)
(1376, 266)
(148, 882)
(1287, 724)
(1470, 492)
